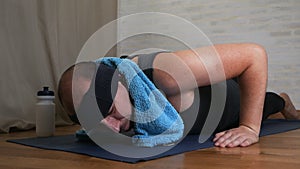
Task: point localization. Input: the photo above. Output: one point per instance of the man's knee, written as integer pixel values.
(166, 82)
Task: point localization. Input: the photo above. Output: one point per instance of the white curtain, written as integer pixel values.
(39, 39)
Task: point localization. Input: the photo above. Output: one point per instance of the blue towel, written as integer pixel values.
(156, 120)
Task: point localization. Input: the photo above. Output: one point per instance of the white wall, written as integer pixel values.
(273, 23)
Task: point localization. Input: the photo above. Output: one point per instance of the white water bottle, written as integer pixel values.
(45, 113)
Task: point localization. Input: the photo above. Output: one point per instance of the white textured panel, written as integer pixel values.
(274, 24)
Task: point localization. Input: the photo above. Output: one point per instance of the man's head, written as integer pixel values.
(111, 95)
(73, 84)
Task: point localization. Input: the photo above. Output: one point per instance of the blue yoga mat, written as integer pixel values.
(69, 143)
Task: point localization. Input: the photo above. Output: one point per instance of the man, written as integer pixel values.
(178, 74)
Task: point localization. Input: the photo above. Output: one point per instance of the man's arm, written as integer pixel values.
(208, 65)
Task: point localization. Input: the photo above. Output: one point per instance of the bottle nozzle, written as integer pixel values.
(45, 92)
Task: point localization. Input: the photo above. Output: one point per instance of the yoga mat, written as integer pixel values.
(69, 143)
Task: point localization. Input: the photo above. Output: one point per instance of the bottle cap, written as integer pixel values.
(45, 92)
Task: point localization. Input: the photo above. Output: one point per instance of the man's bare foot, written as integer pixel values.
(289, 111)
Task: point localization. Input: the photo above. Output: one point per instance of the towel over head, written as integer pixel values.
(156, 122)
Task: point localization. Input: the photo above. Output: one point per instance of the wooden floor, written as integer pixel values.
(280, 151)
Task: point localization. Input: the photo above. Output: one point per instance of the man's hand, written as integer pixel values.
(242, 136)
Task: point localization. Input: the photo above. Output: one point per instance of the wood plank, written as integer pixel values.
(275, 151)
